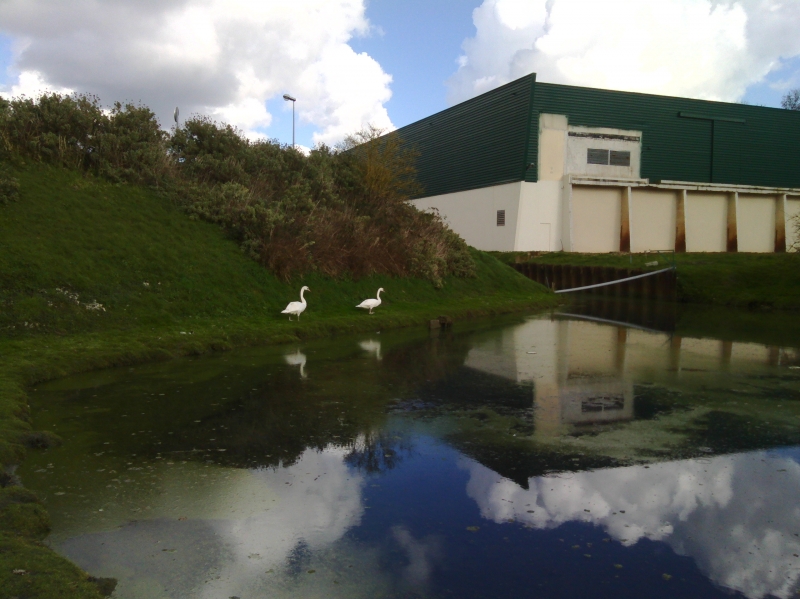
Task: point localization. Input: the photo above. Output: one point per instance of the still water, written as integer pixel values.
(543, 456)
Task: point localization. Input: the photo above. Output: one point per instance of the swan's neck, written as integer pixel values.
(302, 299)
(379, 294)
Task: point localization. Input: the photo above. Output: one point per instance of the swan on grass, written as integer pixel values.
(371, 304)
(297, 307)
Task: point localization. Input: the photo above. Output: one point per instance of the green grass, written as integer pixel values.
(168, 286)
(736, 280)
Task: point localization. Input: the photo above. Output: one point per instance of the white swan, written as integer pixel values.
(297, 307)
(371, 304)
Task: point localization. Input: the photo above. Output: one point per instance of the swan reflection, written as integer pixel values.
(298, 358)
(736, 515)
(371, 346)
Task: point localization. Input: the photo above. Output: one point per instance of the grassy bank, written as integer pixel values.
(94, 275)
(736, 280)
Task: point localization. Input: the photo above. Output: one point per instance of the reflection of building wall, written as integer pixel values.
(575, 369)
(584, 372)
(597, 401)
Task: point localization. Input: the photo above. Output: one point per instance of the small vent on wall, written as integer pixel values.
(501, 218)
(620, 158)
(595, 156)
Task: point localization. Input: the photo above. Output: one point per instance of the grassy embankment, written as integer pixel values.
(735, 280)
(168, 286)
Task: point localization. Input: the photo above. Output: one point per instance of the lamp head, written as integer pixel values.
(289, 98)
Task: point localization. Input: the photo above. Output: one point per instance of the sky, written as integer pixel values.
(387, 63)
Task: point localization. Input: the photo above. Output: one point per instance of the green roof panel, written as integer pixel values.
(477, 143)
(493, 138)
(689, 140)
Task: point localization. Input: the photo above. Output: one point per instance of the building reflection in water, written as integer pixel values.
(583, 371)
(735, 514)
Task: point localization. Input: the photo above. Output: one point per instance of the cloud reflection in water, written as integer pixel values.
(736, 515)
(233, 533)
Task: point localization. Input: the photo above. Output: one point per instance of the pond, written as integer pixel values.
(555, 455)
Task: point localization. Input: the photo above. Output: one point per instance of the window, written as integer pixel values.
(501, 218)
(608, 157)
(597, 156)
(620, 158)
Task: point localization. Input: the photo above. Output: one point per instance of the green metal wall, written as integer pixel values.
(494, 138)
(751, 145)
(477, 143)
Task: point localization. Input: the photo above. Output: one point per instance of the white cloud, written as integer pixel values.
(735, 515)
(710, 49)
(31, 84)
(224, 58)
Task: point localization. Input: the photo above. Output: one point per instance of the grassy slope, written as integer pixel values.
(737, 280)
(102, 242)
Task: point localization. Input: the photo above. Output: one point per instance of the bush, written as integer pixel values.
(339, 211)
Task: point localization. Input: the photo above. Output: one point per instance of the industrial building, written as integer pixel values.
(542, 167)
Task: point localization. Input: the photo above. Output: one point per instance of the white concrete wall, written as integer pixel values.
(539, 221)
(792, 210)
(554, 214)
(652, 219)
(473, 215)
(552, 146)
(756, 223)
(595, 218)
(706, 222)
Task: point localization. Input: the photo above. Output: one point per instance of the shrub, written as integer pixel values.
(339, 211)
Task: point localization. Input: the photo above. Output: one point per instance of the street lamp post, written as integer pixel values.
(289, 98)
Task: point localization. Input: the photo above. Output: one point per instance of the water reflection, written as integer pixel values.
(378, 452)
(735, 515)
(216, 530)
(587, 374)
(298, 358)
(456, 464)
(371, 346)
